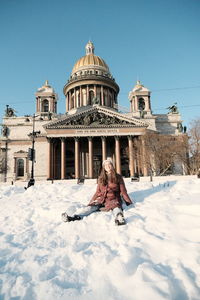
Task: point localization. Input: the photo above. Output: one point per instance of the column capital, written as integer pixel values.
(76, 138)
(90, 138)
(117, 137)
(49, 139)
(130, 137)
(103, 138)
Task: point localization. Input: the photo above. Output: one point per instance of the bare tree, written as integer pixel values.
(194, 146)
(162, 151)
(183, 152)
(2, 163)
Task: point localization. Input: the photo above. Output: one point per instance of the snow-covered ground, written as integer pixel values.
(155, 256)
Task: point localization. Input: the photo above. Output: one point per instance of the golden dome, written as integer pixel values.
(90, 60)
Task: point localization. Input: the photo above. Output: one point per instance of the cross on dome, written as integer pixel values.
(139, 84)
(46, 84)
(89, 48)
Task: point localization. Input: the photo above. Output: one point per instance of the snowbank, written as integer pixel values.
(155, 256)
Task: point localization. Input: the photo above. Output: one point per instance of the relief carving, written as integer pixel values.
(96, 119)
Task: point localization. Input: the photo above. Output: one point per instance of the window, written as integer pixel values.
(45, 105)
(105, 98)
(55, 107)
(78, 98)
(72, 101)
(141, 104)
(91, 97)
(109, 101)
(20, 167)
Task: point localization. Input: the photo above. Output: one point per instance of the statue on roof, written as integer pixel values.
(180, 127)
(49, 116)
(9, 112)
(173, 109)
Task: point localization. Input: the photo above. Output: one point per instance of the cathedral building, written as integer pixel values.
(74, 144)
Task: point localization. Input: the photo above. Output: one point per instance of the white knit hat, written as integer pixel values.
(108, 160)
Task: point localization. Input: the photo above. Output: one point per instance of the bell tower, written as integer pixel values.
(46, 100)
(140, 103)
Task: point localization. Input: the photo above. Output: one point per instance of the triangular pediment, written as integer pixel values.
(21, 151)
(95, 116)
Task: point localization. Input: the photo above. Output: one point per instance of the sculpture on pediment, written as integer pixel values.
(97, 119)
(86, 120)
(74, 122)
(101, 118)
(111, 120)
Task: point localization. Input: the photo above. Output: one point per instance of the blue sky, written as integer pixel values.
(156, 41)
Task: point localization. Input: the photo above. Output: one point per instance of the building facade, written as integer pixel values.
(74, 144)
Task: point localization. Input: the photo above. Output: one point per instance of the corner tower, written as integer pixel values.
(90, 82)
(140, 103)
(46, 100)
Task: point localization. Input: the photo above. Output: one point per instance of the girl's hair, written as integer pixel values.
(103, 177)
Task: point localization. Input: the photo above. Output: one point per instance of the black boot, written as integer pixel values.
(67, 218)
(119, 220)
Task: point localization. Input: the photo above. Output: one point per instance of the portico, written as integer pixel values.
(81, 156)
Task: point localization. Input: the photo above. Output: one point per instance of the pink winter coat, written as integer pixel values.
(110, 195)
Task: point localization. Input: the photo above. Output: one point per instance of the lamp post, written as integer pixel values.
(33, 135)
(4, 166)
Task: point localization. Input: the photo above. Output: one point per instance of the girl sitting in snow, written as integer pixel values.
(110, 188)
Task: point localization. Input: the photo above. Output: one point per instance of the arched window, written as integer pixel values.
(109, 100)
(91, 97)
(141, 104)
(105, 99)
(72, 101)
(55, 107)
(78, 100)
(100, 98)
(20, 167)
(84, 97)
(45, 105)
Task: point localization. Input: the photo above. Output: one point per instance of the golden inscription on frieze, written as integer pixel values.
(93, 131)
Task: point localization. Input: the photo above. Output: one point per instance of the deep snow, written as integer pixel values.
(155, 256)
